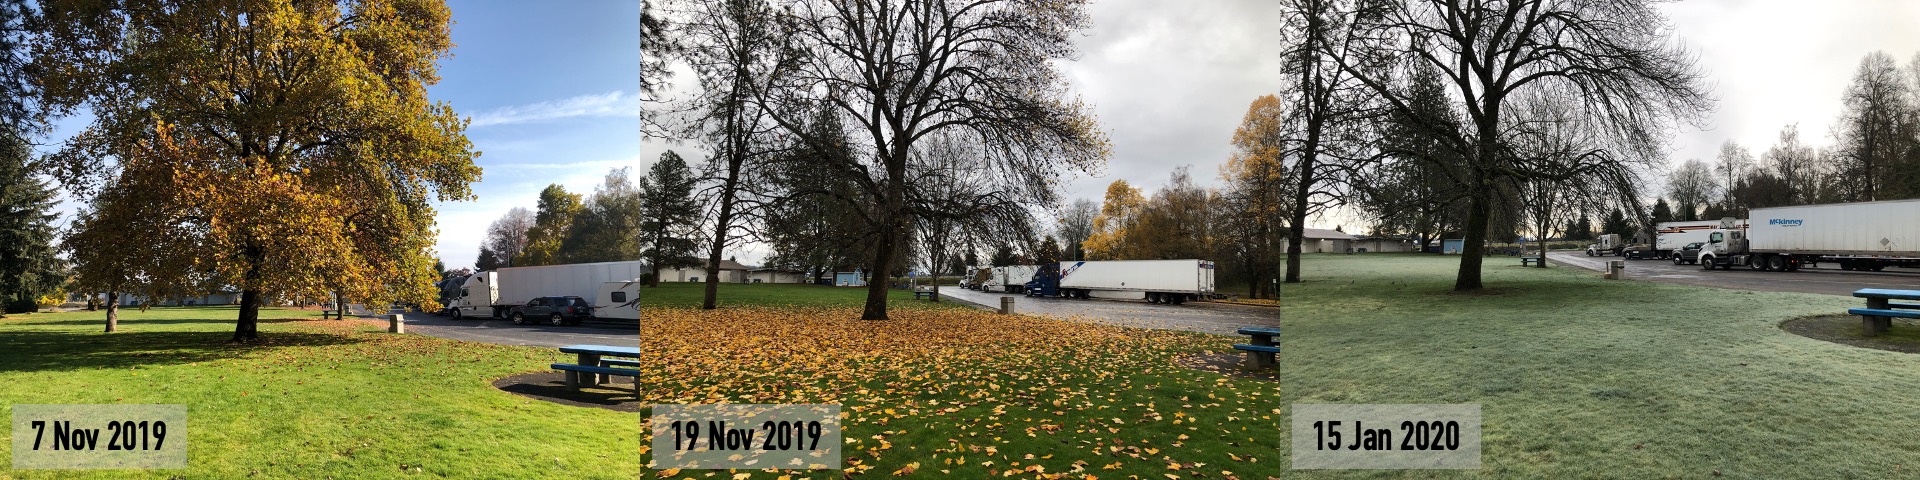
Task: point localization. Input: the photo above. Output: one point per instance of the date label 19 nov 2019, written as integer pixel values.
(99, 436)
(1379, 436)
(788, 436)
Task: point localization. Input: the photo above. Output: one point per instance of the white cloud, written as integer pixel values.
(610, 104)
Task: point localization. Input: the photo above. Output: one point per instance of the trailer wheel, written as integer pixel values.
(1777, 262)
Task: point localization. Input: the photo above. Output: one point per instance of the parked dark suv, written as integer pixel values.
(552, 311)
(1689, 254)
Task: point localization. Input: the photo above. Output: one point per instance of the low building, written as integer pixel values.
(855, 278)
(1318, 240)
(775, 275)
(730, 272)
(1389, 244)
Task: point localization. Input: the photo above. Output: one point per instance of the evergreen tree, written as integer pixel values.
(1617, 224)
(28, 267)
(669, 218)
(1662, 212)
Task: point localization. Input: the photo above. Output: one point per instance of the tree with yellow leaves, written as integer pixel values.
(1255, 180)
(1113, 228)
(285, 148)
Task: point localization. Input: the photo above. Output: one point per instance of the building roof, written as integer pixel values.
(1324, 234)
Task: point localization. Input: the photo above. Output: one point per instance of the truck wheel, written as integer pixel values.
(1706, 262)
(457, 315)
(1778, 262)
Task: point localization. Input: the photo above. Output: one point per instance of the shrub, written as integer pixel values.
(22, 305)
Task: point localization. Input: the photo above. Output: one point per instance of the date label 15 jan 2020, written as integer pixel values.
(1382, 436)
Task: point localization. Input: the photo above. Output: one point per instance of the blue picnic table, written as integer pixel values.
(1260, 353)
(1878, 316)
(598, 368)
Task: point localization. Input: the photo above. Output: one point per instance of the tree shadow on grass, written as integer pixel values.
(135, 322)
(53, 351)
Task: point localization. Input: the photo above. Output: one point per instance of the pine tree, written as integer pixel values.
(28, 267)
(1662, 212)
(669, 218)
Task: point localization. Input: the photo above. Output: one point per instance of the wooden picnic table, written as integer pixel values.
(1878, 316)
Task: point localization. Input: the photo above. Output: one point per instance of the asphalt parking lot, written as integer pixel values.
(1826, 278)
(504, 332)
(1204, 317)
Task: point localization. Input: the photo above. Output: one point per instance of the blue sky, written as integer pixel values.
(552, 90)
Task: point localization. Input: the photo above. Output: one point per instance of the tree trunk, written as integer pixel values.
(891, 208)
(876, 306)
(1473, 247)
(113, 311)
(248, 329)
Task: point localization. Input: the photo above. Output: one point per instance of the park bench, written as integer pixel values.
(1260, 354)
(1529, 261)
(334, 313)
(1878, 316)
(922, 292)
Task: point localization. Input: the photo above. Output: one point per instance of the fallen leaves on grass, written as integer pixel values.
(961, 383)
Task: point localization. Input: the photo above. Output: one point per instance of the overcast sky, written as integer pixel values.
(1169, 81)
(1770, 64)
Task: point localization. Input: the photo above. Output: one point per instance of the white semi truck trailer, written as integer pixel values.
(1857, 236)
(1009, 279)
(1163, 281)
(491, 293)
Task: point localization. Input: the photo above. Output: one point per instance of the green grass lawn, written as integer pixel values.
(1580, 377)
(319, 399)
(683, 294)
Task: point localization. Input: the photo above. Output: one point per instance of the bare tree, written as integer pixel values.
(953, 194)
(1076, 224)
(902, 70)
(1874, 131)
(733, 47)
(1691, 186)
(1795, 163)
(1733, 161)
(1612, 59)
(1327, 105)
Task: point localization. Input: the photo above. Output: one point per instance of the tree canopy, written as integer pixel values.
(289, 146)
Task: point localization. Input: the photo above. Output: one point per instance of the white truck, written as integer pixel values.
(1607, 244)
(1163, 281)
(1671, 237)
(491, 293)
(1867, 236)
(1009, 279)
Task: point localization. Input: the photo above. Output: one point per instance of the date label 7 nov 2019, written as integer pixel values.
(79, 436)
